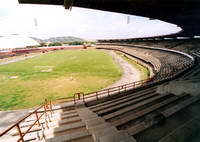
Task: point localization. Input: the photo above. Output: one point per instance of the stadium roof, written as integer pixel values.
(16, 41)
(184, 13)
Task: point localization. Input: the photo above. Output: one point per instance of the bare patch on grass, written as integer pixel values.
(43, 68)
(13, 77)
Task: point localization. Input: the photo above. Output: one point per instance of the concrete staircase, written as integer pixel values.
(85, 126)
(72, 124)
(102, 131)
(64, 124)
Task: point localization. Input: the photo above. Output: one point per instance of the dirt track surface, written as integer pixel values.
(17, 59)
(130, 74)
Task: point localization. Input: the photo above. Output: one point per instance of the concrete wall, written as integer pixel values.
(179, 87)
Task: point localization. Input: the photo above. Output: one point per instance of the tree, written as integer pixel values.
(55, 44)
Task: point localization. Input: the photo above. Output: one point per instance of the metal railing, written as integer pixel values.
(109, 91)
(38, 113)
(79, 96)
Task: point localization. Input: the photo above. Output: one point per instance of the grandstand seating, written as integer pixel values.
(165, 64)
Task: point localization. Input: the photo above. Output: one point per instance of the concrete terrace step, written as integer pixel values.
(64, 116)
(54, 123)
(86, 114)
(57, 115)
(184, 131)
(180, 106)
(63, 128)
(151, 90)
(120, 136)
(98, 133)
(52, 130)
(61, 119)
(34, 129)
(70, 120)
(132, 107)
(166, 113)
(122, 100)
(62, 112)
(127, 103)
(60, 130)
(58, 123)
(71, 129)
(69, 137)
(145, 111)
(94, 121)
(27, 137)
(99, 129)
(67, 123)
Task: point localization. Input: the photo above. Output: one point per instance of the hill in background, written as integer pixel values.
(59, 39)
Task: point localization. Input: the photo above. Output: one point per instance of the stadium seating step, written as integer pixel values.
(99, 129)
(184, 131)
(132, 107)
(124, 104)
(149, 90)
(123, 100)
(163, 115)
(118, 136)
(145, 111)
(69, 137)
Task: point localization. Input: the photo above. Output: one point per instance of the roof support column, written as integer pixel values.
(68, 4)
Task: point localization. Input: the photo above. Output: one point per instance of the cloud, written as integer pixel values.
(7, 7)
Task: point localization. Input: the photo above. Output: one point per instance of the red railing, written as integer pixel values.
(79, 96)
(109, 91)
(38, 113)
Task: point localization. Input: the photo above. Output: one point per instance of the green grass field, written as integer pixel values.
(54, 75)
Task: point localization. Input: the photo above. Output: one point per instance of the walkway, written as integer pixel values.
(21, 58)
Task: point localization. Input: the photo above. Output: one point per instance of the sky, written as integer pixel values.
(45, 21)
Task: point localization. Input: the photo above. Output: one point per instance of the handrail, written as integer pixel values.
(117, 89)
(47, 106)
(79, 96)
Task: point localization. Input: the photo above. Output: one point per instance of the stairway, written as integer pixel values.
(72, 124)
(88, 127)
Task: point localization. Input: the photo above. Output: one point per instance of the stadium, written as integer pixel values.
(163, 107)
